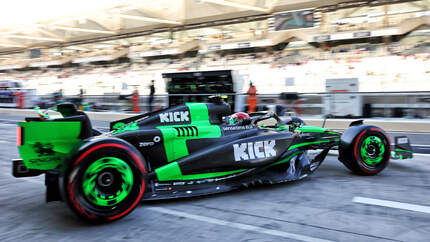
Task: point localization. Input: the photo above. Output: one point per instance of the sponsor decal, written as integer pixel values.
(43, 149)
(45, 160)
(156, 139)
(170, 117)
(170, 186)
(254, 150)
(403, 140)
(232, 128)
(162, 184)
(146, 144)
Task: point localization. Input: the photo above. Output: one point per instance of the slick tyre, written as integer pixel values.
(369, 152)
(105, 181)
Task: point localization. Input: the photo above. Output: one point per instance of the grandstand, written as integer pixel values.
(385, 44)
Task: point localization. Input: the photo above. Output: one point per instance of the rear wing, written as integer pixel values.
(43, 145)
(44, 142)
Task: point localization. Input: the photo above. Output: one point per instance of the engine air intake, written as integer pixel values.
(187, 131)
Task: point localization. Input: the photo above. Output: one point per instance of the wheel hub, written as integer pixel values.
(372, 150)
(107, 181)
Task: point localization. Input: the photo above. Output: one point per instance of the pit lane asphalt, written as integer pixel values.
(318, 207)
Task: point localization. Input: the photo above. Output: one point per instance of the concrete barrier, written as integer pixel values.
(389, 124)
(400, 125)
(108, 116)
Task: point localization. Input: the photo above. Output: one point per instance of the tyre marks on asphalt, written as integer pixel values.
(335, 232)
(10, 121)
(235, 225)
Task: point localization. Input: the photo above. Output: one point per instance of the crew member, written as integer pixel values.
(58, 96)
(252, 98)
(151, 95)
(81, 99)
(19, 99)
(135, 101)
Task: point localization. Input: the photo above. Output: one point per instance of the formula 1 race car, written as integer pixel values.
(188, 150)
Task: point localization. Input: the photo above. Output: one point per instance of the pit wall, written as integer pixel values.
(400, 125)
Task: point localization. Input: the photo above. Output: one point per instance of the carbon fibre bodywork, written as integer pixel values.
(189, 149)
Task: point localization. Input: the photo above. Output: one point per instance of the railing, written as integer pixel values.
(386, 104)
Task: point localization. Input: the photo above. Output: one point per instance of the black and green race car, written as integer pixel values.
(183, 151)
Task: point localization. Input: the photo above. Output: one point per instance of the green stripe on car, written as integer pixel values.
(176, 146)
(172, 171)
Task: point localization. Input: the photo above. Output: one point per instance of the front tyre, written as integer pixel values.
(367, 153)
(105, 182)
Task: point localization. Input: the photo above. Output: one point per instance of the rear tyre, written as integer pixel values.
(369, 152)
(105, 182)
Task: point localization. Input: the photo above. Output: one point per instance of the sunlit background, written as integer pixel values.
(18, 13)
(330, 63)
(111, 48)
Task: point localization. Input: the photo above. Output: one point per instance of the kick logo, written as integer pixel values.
(254, 150)
(182, 116)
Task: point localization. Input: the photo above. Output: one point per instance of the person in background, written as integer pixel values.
(135, 100)
(58, 96)
(19, 98)
(193, 87)
(252, 98)
(151, 95)
(81, 99)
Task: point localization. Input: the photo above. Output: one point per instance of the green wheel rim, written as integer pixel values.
(372, 150)
(107, 181)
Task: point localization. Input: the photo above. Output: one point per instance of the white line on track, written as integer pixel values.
(7, 124)
(336, 153)
(406, 132)
(247, 227)
(12, 120)
(419, 154)
(392, 204)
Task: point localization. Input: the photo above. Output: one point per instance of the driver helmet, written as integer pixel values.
(238, 117)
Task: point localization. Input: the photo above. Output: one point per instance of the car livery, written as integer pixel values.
(182, 151)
